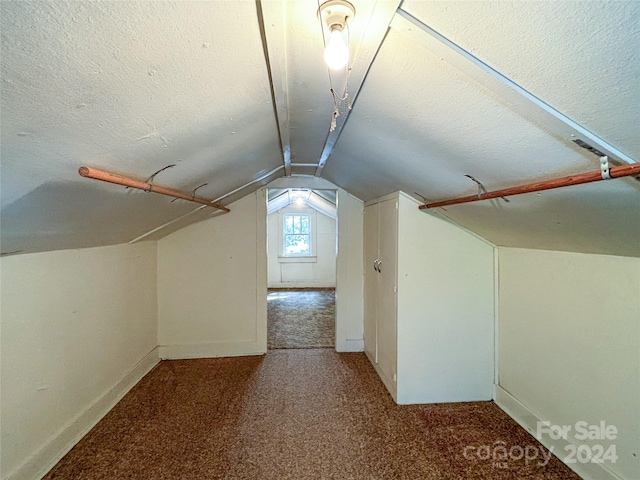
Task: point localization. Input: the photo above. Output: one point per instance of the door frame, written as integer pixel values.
(349, 262)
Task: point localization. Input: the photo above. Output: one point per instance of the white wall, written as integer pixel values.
(212, 280)
(79, 329)
(212, 284)
(349, 263)
(569, 347)
(350, 274)
(292, 273)
(445, 310)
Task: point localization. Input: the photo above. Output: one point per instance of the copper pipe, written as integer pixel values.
(147, 187)
(614, 172)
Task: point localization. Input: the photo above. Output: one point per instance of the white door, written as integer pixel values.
(386, 289)
(370, 281)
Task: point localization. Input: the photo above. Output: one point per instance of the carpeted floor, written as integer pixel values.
(294, 414)
(301, 318)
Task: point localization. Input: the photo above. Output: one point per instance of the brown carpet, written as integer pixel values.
(301, 318)
(296, 414)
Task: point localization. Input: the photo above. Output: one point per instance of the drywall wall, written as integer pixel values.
(79, 329)
(350, 274)
(445, 310)
(569, 348)
(292, 272)
(212, 280)
(212, 285)
(349, 263)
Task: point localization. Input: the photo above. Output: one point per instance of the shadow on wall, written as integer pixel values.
(572, 219)
(85, 215)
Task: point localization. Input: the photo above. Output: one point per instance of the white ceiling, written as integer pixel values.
(235, 94)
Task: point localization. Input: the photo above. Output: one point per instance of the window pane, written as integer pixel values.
(297, 224)
(297, 234)
(297, 245)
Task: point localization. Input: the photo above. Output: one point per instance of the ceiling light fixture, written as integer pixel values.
(335, 14)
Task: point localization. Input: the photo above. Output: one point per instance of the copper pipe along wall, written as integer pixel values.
(614, 172)
(147, 187)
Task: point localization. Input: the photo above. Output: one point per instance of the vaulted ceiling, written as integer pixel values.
(235, 94)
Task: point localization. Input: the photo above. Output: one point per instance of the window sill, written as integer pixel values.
(312, 259)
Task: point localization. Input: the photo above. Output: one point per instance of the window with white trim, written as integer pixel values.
(297, 238)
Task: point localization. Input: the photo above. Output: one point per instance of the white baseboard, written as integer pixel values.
(211, 350)
(36, 466)
(529, 421)
(350, 346)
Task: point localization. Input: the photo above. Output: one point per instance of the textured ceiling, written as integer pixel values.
(129, 87)
(583, 58)
(235, 94)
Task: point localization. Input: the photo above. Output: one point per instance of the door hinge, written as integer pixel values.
(395, 289)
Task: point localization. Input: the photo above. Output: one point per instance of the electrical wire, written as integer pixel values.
(337, 100)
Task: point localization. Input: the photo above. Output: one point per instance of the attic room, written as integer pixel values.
(481, 159)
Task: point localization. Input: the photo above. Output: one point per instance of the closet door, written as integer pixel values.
(371, 224)
(387, 291)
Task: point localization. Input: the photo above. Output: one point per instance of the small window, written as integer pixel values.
(296, 235)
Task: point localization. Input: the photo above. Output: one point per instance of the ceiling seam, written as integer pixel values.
(492, 79)
(246, 185)
(330, 143)
(333, 136)
(282, 100)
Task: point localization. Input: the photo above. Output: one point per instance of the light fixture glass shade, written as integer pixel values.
(336, 54)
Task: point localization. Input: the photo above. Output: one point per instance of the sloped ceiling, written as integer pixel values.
(235, 94)
(323, 201)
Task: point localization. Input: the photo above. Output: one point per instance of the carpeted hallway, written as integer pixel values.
(297, 414)
(301, 318)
